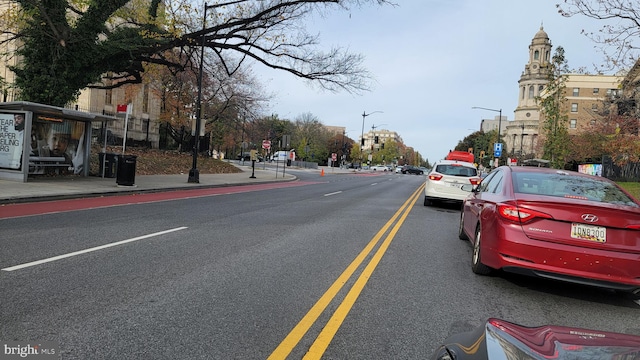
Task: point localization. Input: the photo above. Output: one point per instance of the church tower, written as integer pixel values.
(534, 77)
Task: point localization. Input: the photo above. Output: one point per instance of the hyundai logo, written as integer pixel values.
(589, 218)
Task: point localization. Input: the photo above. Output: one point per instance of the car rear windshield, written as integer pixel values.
(569, 186)
(456, 170)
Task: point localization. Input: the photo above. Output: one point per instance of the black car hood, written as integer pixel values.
(499, 339)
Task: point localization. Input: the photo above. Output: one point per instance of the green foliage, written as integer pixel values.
(356, 153)
(552, 104)
(481, 143)
(387, 155)
(64, 53)
(67, 45)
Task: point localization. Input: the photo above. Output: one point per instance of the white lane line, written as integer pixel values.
(333, 193)
(38, 262)
(374, 184)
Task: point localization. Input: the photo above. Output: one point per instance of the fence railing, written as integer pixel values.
(629, 172)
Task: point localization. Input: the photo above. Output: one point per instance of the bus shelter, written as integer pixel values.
(36, 139)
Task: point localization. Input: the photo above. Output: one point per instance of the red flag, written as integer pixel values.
(122, 108)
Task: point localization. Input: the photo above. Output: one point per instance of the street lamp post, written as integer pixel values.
(364, 115)
(194, 173)
(499, 121)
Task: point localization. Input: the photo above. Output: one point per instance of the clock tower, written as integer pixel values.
(534, 77)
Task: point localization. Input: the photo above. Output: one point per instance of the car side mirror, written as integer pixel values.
(468, 187)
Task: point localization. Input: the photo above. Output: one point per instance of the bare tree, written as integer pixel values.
(619, 36)
(66, 48)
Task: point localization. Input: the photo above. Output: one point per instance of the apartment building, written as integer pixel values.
(375, 138)
(585, 95)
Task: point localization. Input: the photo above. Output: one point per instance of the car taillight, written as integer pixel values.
(520, 215)
(435, 177)
(633, 227)
(474, 180)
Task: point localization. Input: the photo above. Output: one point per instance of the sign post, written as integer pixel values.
(497, 152)
(254, 157)
(124, 108)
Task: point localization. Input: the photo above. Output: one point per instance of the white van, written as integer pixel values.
(283, 155)
(280, 156)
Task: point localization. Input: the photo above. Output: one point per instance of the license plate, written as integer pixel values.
(589, 232)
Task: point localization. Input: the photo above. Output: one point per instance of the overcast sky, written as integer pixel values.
(433, 60)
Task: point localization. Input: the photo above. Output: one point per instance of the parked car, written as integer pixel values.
(555, 224)
(497, 339)
(380, 168)
(445, 180)
(410, 169)
(398, 169)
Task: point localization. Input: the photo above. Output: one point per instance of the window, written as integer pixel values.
(536, 55)
(596, 91)
(495, 184)
(576, 91)
(523, 90)
(107, 97)
(540, 88)
(531, 92)
(574, 107)
(485, 182)
(573, 123)
(145, 100)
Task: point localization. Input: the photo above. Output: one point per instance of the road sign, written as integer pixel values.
(334, 157)
(497, 153)
(497, 146)
(266, 144)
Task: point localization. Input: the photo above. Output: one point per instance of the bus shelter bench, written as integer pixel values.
(39, 162)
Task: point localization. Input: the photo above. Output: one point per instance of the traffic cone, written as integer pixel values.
(322, 172)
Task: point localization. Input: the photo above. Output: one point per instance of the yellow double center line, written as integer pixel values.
(328, 332)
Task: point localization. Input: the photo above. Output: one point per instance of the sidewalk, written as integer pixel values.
(52, 188)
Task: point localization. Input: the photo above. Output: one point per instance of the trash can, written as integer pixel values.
(108, 163)
(288, 162)
(126, 170)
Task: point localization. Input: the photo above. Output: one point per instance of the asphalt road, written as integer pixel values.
(338, 267)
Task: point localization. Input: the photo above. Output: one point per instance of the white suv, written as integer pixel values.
(445, 180)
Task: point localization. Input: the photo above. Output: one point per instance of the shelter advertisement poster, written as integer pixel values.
(57, 140)
(11, 140)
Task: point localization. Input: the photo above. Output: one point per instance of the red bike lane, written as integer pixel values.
(57, 206)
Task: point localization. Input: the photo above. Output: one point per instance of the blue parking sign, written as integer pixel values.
(497, 147)
(497, 153)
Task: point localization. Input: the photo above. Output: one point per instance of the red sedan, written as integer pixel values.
(554, 224)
